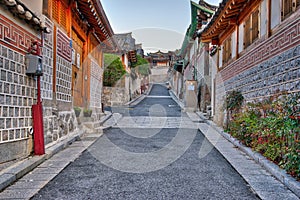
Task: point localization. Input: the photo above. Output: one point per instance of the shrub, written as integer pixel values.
(272, 127)
(77, 111)
(113, 70)
(87, 112)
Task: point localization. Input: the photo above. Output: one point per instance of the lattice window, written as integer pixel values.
(288, 7)
(55, 10)
(251, 28)
(227, 52)
(63, 15)
(60, 13)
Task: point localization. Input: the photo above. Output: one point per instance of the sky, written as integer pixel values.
(157, 24)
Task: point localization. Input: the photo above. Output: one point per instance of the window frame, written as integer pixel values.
(292, 6)
(227, 50)
(252, 28)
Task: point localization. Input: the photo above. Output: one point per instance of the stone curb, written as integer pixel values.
(272, 168)
(134, 100)
(175, 98)
(139, 98)
(105, 118)
(19, 169)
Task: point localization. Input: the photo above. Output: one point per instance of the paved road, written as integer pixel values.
(153, 152)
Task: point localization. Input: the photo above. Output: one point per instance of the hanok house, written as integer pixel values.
(197, 83)
(127, 87)
(258, 48)
(80, 30)
(159, 63)
(159, 59)
(72, 67)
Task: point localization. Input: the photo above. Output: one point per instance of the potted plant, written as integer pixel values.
(87, 112)
(77, 111)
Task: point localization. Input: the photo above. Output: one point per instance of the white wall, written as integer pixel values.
(241, 37)
(233, 44)
(275, 13)
(213, 63)
(221, 56)
(36, 6)
(263, 18)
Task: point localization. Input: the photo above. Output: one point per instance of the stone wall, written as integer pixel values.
(159, 75)
(270, 66)
(115, 96)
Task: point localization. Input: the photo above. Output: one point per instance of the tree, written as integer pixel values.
(113, 70)
(142, 65)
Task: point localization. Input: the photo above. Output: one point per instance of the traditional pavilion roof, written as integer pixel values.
(159, 54)
(93, 12)
(224, 19)
(23, 12)
(207, 5)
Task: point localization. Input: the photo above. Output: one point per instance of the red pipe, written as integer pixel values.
(37, 114)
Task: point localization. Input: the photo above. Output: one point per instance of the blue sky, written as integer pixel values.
(157, 24)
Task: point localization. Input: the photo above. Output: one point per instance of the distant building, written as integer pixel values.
(190, 77)
(160, 58)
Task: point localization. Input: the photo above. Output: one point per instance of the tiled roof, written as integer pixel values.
(21, 11)
(224, 18)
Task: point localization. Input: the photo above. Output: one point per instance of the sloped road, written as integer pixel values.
(153, 152)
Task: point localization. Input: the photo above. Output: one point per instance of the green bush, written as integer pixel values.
(272, 127)
(77, 111)
(87, 112)
(113, 70)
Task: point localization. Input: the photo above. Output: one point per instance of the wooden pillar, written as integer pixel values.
(237, 41)
(269, 7)
(54, 61)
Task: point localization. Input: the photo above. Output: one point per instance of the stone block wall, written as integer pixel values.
(115, 96)
(268, 68)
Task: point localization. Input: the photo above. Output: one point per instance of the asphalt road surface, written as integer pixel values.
(152, 154)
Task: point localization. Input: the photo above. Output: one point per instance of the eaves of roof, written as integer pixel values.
(24, 13)
(93, 12)
(225, 18)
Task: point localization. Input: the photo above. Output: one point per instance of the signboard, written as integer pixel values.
(191, 87)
